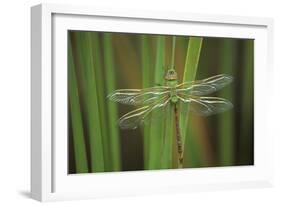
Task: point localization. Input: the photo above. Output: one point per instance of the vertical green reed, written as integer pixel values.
(247, 105)
(75, 118)
(167, 155)
(110, 82)
(155, 140)
(146, 67)
(85, 65)
(190, 69)
(226, 130)
(193, 149)
(192, 58)
(98, 78)
(173, 52)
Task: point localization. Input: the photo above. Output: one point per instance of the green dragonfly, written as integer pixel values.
(189, 95)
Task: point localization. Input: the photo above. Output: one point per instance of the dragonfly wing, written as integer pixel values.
(132, 119)
(206, 106)
(158, 114)
(138, 96)
(136, 117)
(205, 86)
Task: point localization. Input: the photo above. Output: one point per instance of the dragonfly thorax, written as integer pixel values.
(173, 95)
(172, 81)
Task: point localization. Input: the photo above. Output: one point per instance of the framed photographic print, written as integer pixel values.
(137, 102)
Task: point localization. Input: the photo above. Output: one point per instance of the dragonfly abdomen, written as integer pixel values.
(178, 136)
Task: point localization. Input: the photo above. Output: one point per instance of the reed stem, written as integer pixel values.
(110, 74)
(190, 69)
(173, 52)
(79, 145)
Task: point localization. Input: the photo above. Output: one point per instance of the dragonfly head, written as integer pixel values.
(171, 75)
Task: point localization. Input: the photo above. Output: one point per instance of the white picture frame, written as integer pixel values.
(49, 178)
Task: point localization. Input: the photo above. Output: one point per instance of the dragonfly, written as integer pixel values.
(178, 96)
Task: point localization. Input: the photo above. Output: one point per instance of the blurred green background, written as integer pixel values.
(100, 62)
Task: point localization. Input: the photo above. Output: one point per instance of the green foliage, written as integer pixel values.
(190, 70)
(226, 131)
(247, 105)
(146, 67)
(102, 144)
(76, 119)
(99, 63)
(90, 103)
(110, 84)
(155, 138)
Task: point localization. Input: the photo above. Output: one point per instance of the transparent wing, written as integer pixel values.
(136, 117)
(205, 86)
(138, 96)
(206, 106)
